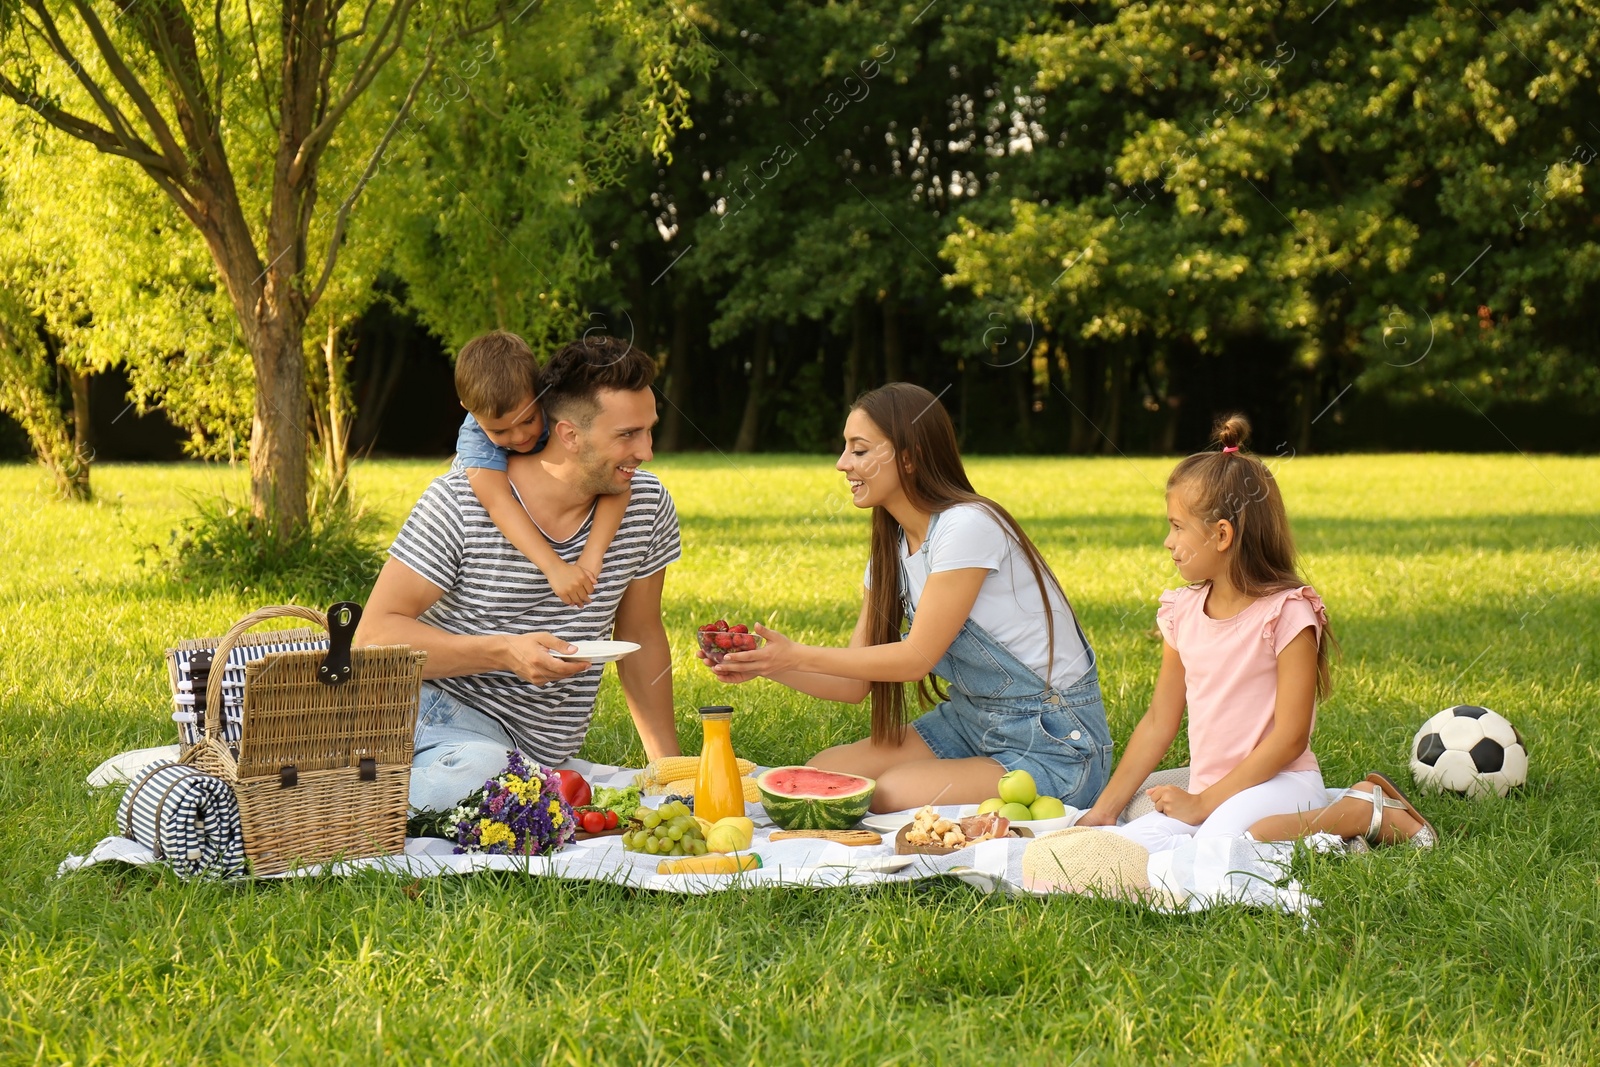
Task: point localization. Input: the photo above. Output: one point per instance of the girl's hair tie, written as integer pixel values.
(1231, 448)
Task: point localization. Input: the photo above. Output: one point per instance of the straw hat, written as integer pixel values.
(1086, 859)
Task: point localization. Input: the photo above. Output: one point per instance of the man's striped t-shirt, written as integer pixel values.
(491, 588)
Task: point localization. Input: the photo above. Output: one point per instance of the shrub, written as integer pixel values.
(335, 556)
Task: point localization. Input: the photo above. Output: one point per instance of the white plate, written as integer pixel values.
(598, 651)
(1038, 826)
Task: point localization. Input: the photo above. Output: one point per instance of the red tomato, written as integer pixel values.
(611, 819)
(574, 790)
(593, 822)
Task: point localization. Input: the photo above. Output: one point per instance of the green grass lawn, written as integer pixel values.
(1449, 579)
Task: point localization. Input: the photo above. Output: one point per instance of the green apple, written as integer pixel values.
(1016, 813)
(992, 804)
(1048, 808)
(1017, 787)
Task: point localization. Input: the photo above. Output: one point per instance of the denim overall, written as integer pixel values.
(998, 707)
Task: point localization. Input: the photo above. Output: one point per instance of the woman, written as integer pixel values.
(987, 616)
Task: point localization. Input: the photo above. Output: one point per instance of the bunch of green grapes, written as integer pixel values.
(670, 830)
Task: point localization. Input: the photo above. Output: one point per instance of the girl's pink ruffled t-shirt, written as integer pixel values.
(1230, 669)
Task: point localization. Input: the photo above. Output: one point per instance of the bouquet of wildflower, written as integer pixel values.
(518, 812)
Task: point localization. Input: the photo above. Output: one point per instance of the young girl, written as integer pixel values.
(987, 616)
(1246, 651)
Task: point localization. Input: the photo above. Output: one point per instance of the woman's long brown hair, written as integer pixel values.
(1238, 487)
(923, 444)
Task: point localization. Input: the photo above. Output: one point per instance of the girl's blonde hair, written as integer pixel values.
(1235, 485)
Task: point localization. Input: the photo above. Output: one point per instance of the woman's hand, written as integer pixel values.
(779, 654)
(1095, 818)
(723, 671)
(1179, 804)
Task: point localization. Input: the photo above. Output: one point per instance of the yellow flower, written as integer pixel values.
(525, 790)
(494, 833)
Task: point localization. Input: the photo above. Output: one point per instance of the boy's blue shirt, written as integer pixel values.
(474, 449)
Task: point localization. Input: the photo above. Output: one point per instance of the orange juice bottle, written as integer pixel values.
(717, 790)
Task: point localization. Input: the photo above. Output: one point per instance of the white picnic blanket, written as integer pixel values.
(1196, 876)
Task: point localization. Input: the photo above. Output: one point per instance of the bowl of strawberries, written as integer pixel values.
(717, 639)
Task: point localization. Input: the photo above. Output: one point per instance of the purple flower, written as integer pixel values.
(531, 824)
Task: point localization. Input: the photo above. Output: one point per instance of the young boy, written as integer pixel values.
(497, 379)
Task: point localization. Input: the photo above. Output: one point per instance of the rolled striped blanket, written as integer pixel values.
(189, 819)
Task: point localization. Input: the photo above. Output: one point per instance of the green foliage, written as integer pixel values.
(1470, 580)
(517, 129)
(115, 276)
(336, 555)
(1325, 177)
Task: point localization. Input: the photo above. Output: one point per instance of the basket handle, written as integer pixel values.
(225, 647)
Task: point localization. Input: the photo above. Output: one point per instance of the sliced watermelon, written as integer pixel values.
(804, 798)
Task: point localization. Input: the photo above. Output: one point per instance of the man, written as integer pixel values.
(487, 617)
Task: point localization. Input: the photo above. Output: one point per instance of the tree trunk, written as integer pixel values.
(856, 356)
(893, 354)
(375, 393)
(677, 391)
(1116, 395)
(1308, 401)
(336, 439)
(82, 436)
(1081, 370)
(750, 424)
(1169, 426)
(1022, 393)
(278, 436)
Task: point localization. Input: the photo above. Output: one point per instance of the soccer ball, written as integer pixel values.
(1469, 751)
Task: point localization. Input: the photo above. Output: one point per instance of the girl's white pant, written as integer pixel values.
(1283, 794)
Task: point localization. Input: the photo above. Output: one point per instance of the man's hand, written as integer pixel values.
(528, 655)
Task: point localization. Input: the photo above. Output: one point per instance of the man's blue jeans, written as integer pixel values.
(457, 750)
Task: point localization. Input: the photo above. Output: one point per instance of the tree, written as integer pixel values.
(1325, 177)
(786, 258)
(28, 395)
(484, 187)
(234, 119)
(103, 264)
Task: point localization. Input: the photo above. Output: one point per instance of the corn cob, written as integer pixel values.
(667, 769)
(670, 769)
(713, 864)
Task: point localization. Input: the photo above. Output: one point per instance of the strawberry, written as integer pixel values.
(720, 626)
(739, 628)
(724, 641)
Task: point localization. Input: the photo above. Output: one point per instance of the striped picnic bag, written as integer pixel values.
(322, 764)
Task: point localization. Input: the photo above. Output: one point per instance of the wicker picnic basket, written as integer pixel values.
(322, 768)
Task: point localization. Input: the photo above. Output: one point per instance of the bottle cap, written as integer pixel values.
(716, 711)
